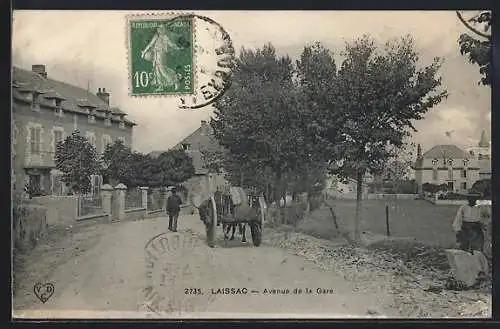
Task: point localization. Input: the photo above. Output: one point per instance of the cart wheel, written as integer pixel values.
(211, 223)
(256, 230)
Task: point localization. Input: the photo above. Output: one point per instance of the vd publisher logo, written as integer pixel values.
(43, 291)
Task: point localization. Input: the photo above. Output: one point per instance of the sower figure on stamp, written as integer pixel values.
(173, 209)
(157, 52)
(468, 225)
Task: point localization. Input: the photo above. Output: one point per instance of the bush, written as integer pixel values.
(292, 214)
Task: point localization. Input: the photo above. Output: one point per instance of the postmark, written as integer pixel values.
(215, 61)
(157, 68)
(160, 55)
(174, 272)
(43, 291)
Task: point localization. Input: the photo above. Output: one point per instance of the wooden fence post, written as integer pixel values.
(387, 220)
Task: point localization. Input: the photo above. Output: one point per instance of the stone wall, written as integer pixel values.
(29, 223)
(61, 210)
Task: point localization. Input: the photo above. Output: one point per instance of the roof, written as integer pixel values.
(71, 96)
(447, 151)
(199, 140)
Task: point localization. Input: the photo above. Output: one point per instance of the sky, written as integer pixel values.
(88, 49)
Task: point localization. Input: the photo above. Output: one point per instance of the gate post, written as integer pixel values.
(120, 191)
(106, 194)
(144, 191)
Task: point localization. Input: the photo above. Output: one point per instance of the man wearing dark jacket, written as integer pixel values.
(173, 208)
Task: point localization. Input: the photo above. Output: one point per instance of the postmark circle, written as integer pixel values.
(174, 272)
(214, 63)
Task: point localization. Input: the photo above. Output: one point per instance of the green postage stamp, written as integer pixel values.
(160, 52)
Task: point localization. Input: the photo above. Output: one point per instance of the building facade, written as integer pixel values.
(446, 164)
(45, 112)
(482, 154)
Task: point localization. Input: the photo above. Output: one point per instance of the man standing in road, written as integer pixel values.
(173, 208)
(468, 224)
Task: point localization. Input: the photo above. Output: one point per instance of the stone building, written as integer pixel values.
(44, 112)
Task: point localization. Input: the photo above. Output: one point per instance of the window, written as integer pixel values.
(106, 140)
(434, 162)
(450, 186)
(96, 182)
(107, 122)
(434, 174)
(464, 186)
(91, 138)
(91, 118)
(185, 147)
(35, 182)
(57, 137)
(450, 162)
(122, 125)
(466, 163)
(450, 173)
(35, 139)
(464, 173)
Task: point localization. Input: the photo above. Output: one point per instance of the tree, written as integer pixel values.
(77, 159)
(477, 50)
(396, 168)
(175, 167)
(117, 164)
(256, 122)
(379, 94)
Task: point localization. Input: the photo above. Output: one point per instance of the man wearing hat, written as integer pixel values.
(173, 209)
(468, 224)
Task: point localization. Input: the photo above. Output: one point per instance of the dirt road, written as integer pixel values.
(102, 270)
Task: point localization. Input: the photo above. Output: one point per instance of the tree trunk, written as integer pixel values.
(359, 204)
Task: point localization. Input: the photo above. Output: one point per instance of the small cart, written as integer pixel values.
(221, 209)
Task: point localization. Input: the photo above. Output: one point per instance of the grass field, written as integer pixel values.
(416, 219)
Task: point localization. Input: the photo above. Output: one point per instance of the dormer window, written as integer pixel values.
(58, 110)
(107, 122)
(450, 162)
(35, 101)
(121, 124)
(434, 162)
(185, 147)
(466, 162)
(91, 118)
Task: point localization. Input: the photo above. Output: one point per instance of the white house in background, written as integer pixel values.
(446, 164)
(482, 154)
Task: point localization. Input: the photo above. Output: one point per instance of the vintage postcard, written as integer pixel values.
(251, 164)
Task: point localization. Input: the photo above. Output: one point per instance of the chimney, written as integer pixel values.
(205, 127)
(102, 94)
(39, 69)
(419, 151)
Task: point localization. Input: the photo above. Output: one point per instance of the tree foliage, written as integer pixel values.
(284, 126)
(257, 121)
(478, 50)
(77, 159)
(117, 164)
(122, 165)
